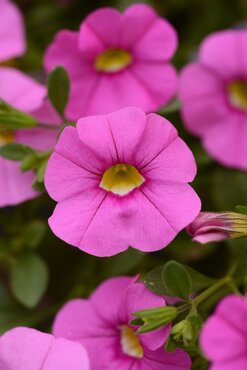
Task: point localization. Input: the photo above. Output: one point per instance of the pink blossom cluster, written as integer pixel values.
(95, 334)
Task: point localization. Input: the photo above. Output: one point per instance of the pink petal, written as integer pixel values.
(159, 79)
(12, 38)
(104, 24)
(113, 141)
(107, 299)
(159, 134)
(210, 237)
(223, 52)
(203, 98)
(160, 38)
(239, 305)
(163, 211)
(229, 149)
(15, 186)
(117, 91)
(20, 90)
(138, 297)
(137, 19)
(78, 320)
(64, 51)
(78, 181)
(88, 219)
(220, 341)
(29, 349)
(236, 363)
(175, 163)
(160, 360)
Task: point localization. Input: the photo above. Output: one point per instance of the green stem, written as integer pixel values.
(211, 290)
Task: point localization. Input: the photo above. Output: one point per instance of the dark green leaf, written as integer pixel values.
(28, 280)
(14, 151)
(241, 209)
(34, 233)
(198, 280)
(177, 280)
(170, 344)
(58, 88)
(153, 281)
(240, 266)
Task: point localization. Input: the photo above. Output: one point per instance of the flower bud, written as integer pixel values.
(209, 226)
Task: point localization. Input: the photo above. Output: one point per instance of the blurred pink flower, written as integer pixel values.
(209, 226)
(28, 349)
(224, 335)
(101, 324)
(120, 180)
(117, 60)
(12, 34)
(25, 94)
(213, 94)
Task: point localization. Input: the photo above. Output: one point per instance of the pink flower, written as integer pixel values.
(224, 335)
(12, 37)
(121, 180)
(209, 226)
(27, 95)
(101, 324)
(213, 93)
(117, 60)
(29, 349)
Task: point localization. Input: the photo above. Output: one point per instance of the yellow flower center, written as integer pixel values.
(121, 179)
(237, 91)
(130, 342)
(6, 136)
(113, 60)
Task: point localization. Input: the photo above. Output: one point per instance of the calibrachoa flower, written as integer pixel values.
(27, 95)
(12, 36)
(120, 180)
(213, 93)
(28, 349)
(117, 60)
(101, 324)
(209, 226)
(224, 335)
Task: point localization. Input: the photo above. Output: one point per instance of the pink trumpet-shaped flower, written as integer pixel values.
(117, 60)
(121, 180)
(25, 94)
(224, 335)
(101, 324)
(213, 93)
(12, 34)
(28, 349)
(209, 226)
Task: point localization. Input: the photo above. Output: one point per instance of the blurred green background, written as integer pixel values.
(38, 271)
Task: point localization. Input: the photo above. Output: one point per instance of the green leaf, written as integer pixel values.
(34, 233)
(198, 280)
(177, 280)
(170, 344)
(29, 279)
(12, 119)
(240, 266)
(153, 282)
(14, 151)
(155, 317)
(58, 88)
(241, 209)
